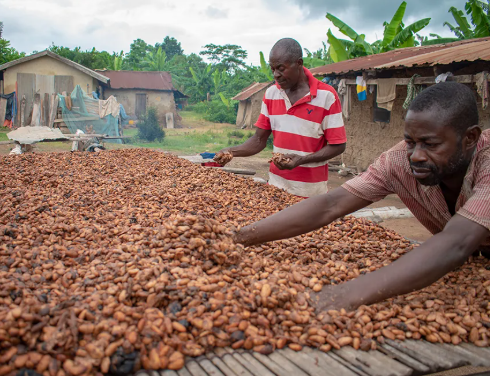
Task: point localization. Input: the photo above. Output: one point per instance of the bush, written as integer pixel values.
(149, 129)
(215, 111)
(236, 134)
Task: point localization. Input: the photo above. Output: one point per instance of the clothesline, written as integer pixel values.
(464, 79)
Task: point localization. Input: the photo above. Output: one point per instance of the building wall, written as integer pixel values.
(163, 101)
(249, 110)
(366, 139)
(48, 66)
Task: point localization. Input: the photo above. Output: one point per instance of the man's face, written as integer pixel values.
(434, 149)
(286, 73)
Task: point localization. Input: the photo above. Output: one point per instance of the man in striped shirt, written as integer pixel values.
(442, 174)
(305, 118)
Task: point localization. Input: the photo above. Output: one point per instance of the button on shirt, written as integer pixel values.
(391, 173)
(302, 128)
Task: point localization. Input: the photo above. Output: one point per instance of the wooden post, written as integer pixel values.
(36, 110)
(46, 110)
(23, 111)
(53, 110)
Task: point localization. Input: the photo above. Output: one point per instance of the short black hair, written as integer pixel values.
(456, 101)
(290, 48)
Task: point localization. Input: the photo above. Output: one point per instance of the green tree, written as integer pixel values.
(171, 47)
(7, 53)
(202, 82)
(92, 59)
(149, 128)
(117, 63)
(395, 35)
(137, 54)
(230, 56)
(479, 13)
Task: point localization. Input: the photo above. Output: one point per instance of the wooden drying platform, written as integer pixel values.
(393, 358)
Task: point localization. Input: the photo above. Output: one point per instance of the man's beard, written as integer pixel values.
(457, 164)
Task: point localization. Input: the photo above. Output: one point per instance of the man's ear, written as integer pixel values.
(300, 62)
(471, 136)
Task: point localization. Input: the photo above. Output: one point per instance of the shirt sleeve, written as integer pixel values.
(374, 184)
(477, 208)
(333, 122)
(263, 121)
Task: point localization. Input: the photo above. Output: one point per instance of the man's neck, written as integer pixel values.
(300, 85)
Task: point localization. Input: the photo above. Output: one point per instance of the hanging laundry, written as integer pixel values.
(361, 88)
(343, 91)
(412, 91)
(109, 107)
(386, 93)
(482, 87)
(8, 112)
(443, 77)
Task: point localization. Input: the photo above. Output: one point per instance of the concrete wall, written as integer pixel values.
(48, 66)
(163, 101)
(366, 139)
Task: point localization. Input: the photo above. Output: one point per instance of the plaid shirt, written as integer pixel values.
(391, 173)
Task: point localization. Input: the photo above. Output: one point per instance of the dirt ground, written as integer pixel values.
(409, 228)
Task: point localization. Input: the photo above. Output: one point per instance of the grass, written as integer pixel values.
(196, 136)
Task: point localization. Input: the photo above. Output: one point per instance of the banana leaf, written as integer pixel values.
(391, 29)
(463, 25)
(408, 32)
(337, 49)
(431, 42)
(264, 67)
(478, 18)
(350, 32)
(455, 30)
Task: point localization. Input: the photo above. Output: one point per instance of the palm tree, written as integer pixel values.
(479, 12)
(396, 35)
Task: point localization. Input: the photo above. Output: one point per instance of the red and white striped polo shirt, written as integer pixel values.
(302, 128)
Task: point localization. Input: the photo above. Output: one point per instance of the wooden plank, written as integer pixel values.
(3, 110)
(53, 110)
(464, 79)
(374, 363)
(86, 118)
(346, 364)
(415, 353)
(46, 110)
(475, 359)
(220, 364)
(26, 85)
(63, 83)
(209, 367)
(239, 171)
(480, 351)
(36, 110)
(7, 142)
(44, 84)
(183, 372)
(286, 364)
(250, 363)
(270, 364)
(306, 363)
(404, 358)
(168, 372)
(232, 362)
(23, 111)
(195, 369)
(326, 362)
(442, 360)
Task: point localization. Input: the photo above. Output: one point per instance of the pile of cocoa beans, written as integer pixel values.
(279, 158)
(123, 260)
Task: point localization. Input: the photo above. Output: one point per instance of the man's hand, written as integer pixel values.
(223, 157)
(333, 297)
(288, 162)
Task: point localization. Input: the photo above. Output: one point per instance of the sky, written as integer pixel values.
(112, 25)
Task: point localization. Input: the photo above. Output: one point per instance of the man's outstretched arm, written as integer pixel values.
(306, 216)
(417, 269)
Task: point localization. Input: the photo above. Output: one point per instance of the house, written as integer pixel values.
(45, 73)
(372, 129)
(250, 103)
(137, 91)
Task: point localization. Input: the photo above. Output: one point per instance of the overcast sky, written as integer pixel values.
(112, 25)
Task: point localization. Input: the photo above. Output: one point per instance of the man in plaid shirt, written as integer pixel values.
(441, 171)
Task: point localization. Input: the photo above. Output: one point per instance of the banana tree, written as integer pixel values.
(395, 35)
(264, 67)
(202, 81)
(156, 61)
(479, 13)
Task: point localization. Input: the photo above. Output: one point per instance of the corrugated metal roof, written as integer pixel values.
(140, 80)
(66, 61)
(439, 54)
(251, 90)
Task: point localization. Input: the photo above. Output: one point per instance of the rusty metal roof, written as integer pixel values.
(251, 90)
(439, 54)
(140, 80)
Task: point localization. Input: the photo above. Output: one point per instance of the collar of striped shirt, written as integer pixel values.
(312, 83)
